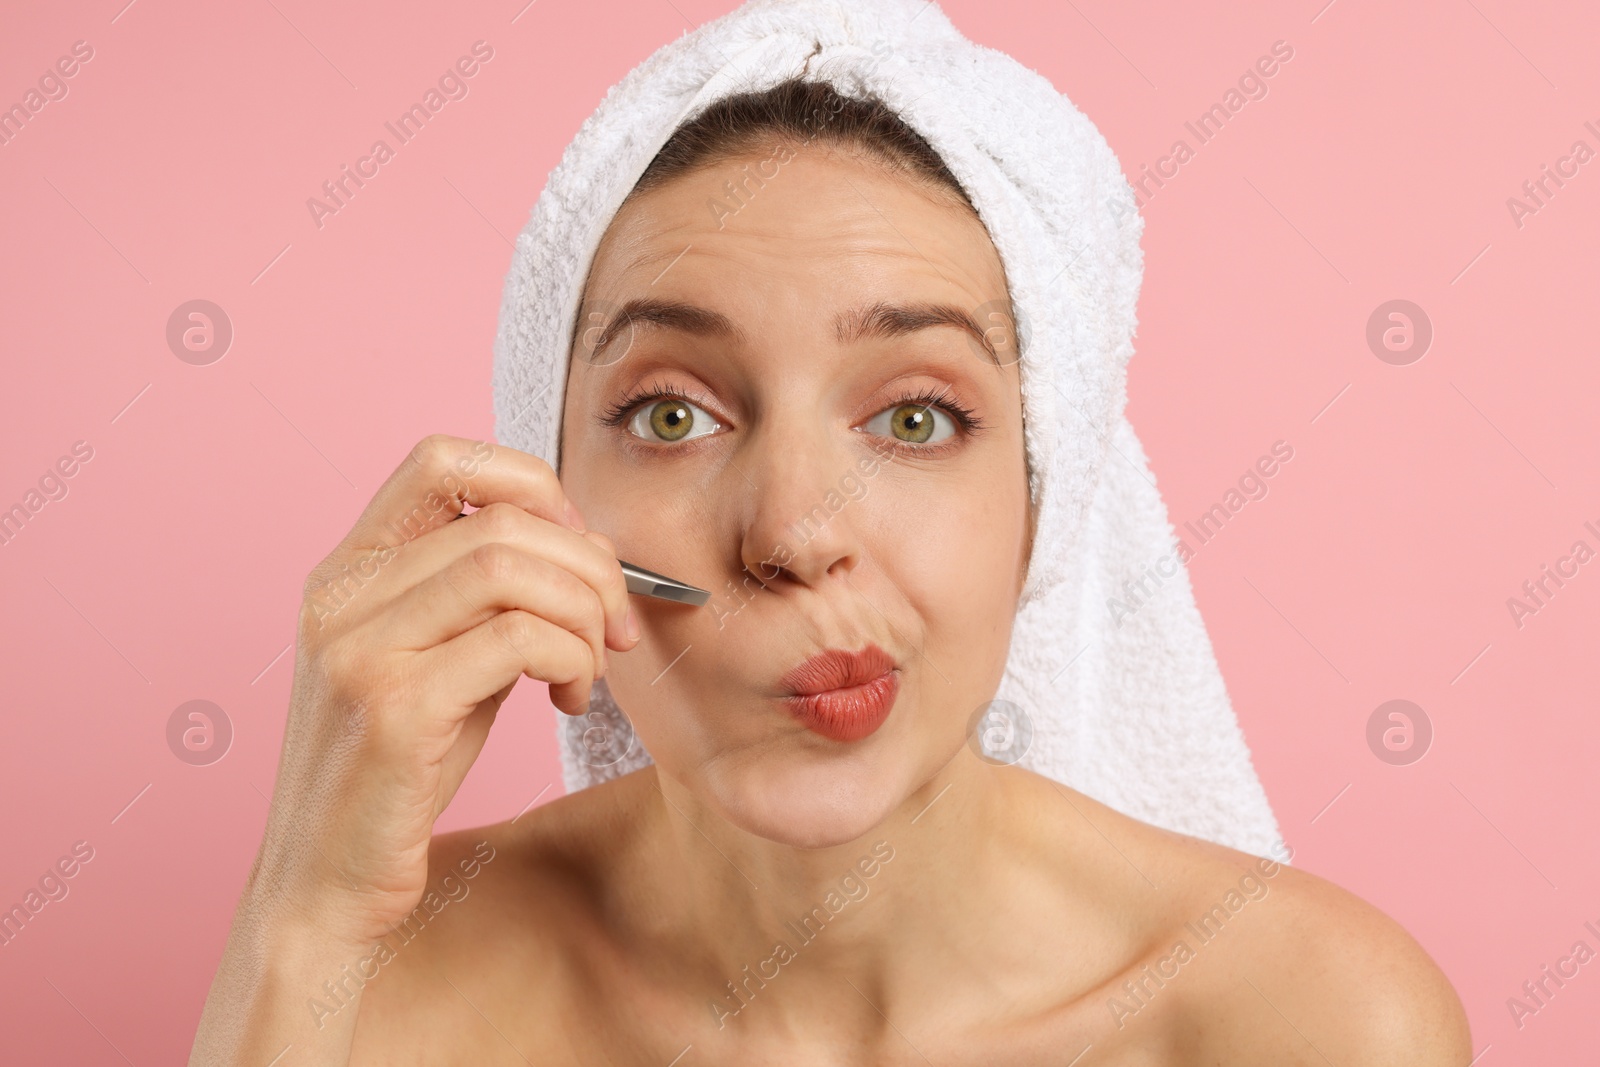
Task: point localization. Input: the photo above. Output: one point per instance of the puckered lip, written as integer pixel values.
(836, 668)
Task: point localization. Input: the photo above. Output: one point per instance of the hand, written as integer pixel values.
(412, 632)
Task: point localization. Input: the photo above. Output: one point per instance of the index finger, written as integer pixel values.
(442, 474)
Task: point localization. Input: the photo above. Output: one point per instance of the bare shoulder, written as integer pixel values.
(1336, 966)
(1245, 960)
(495, 936)
(1287, 966)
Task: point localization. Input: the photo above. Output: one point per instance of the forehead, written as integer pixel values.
(824, 226)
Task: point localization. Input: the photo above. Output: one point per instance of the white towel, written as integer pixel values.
(1127, 706)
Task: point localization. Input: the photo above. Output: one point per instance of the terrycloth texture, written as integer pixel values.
(1129, 708)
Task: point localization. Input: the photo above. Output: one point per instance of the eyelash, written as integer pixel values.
(968, 421)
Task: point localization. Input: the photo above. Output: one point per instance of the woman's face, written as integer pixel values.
(788, 473)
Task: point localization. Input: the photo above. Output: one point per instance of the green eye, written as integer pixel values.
(671, 419)
(913, 423)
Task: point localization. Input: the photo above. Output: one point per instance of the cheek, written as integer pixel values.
(959, 572)
(959, 559)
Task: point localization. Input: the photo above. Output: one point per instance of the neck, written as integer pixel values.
(765, 925)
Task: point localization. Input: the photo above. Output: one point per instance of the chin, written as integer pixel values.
(805, 802)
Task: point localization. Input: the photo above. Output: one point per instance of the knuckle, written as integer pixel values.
(313, 618)
(359, 698)
(517, 627)
(312, 603)
(549, 482)
(570, 587)
(433, 452)
(495, 562)
(611, 573)
(320, 603)
(576, 663)
(337, 662)
(318, 577)
(499, 520)
(595, 614)
(542, 468)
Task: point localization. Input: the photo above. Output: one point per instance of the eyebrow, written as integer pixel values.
(880, 320)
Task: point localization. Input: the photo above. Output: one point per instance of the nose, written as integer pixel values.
(802, 524)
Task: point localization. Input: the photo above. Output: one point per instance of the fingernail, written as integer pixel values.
(633, 625)
(574, 517)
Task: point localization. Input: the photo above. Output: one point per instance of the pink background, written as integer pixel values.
(1419, 498)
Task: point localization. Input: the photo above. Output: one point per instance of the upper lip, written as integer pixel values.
(835, 668)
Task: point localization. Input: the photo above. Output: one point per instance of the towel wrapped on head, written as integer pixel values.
(1125, 704)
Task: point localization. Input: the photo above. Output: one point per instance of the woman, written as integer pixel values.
(818, 865)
